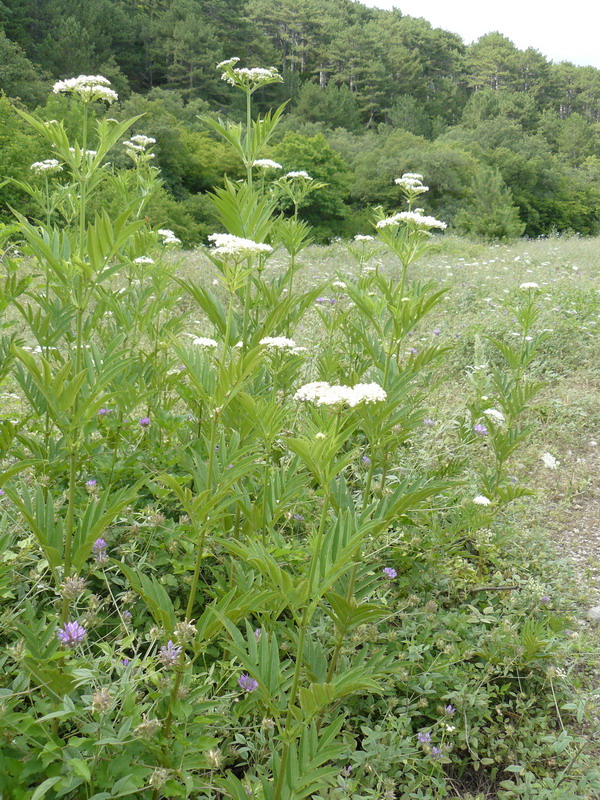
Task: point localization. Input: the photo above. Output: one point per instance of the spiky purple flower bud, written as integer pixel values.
(71, 633)
(247, 683)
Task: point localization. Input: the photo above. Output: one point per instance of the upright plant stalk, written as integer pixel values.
(305, 621)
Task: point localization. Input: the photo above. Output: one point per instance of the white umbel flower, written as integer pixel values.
(266, 163)
(201, 341)
(549, 461)
(322, 393)
(482, 500)
(143, 260)
(168, 236)
(363, 237)
(279, 343)
(414, 217)
(529, 285)
(496, 415)
(47, 167)
(299, 173)
(226, 244)
(87, 88)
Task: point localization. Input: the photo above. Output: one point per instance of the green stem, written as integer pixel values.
(70, 523)
(194, 585)
(249, 137)
(304, 623)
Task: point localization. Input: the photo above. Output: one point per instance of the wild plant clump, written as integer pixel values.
(236, 563)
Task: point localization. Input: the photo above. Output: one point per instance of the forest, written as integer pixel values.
(506, 139)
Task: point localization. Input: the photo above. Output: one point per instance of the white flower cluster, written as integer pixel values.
(266, 163)
(530, 285)
(496, 415)
(229, 62)
(140, 140)
(250, 78)
(87, 88)
(143, 260)
(339, 284)
(482, 500)
(226, 244)
(300, 173)
(48, 167)
(201, 341)
(168, 236)
(415, 217)
(281, 343)
(549, 461)
(363, 237)
(413, 182)
(322, 393)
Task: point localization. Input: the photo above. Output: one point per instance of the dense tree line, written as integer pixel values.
(374, 91)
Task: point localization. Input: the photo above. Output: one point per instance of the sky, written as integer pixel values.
(561, 32)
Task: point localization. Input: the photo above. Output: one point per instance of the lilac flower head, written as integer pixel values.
(347, 771)
(413, 350)
(298, 517)
(424, 738)
(126, 616)
(2, 492)
(545, 600)
(102, 412)
(99, 551)
(91, 485)
(144, 422)
(450, 710)
(481, 429)
(389, 572)
(322, 300)
(125, 662)
(247, 683)
(428, 422)
(258, 634)
(169, 654)
(436, 331)
(366, 460)
(71, 633)
(436, 752)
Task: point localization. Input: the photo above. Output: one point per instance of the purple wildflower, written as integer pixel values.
(169, 654)
(71, 633)
(428, 422)
(481, 429)
(258, 634)
(2, 492)
(545, 600)
(436, 752)
(450, 710)
(125, 662)
(347, 771)
(247, 683)
(413, 350)
(144, 422)
(436, 331)
(298, 517)
(389, 572)
(99, 551)
(424, 738)
(366, 460)
(91, 485)
(102, 412)
(126, 616)
(322, 300)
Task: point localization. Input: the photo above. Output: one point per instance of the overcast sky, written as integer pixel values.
(562, 32)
